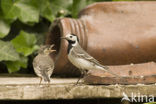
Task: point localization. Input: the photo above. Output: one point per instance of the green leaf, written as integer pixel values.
(9, 9)
(24, 43)
(28, 12)
(14, 66)
(46, 10)
(25, 10)
(4, 28)
(77, 6)
(7, 52)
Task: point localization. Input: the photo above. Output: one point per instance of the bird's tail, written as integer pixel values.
(106, 68)
(45, 76)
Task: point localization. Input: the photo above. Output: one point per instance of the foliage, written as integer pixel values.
(7, 52)
(24, 22)
(24, 43)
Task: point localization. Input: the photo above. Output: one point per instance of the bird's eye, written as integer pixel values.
(70, 36)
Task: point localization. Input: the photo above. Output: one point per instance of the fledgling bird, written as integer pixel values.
(43, 64)
(80, 58)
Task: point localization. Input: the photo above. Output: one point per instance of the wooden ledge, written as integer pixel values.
(28, 89)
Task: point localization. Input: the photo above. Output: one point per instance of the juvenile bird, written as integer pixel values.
(43, 64)
(80, 58)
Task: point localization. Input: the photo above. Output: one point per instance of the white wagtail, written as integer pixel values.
(80, 58)
(43, 64)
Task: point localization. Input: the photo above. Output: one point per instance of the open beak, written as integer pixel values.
(52, 51)
(51, 46)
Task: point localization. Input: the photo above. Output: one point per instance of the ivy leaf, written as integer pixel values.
(7, 52)
(25, 43)
(4, 28)
(46, 10)
(14, 66)
(77, 6)
(25, 10)
(28, 12)
(9, 9)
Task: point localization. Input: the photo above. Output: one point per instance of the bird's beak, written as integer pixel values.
(52, 51)
(63, 38)
(51, 46)
(49, 51)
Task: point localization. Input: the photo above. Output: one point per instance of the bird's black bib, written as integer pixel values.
(70, 45)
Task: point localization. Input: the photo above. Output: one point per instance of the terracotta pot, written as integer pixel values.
(115, 33)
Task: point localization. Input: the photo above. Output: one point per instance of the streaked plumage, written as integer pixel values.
(43, 64)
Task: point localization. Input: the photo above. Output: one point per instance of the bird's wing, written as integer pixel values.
(43, 63)
(35, 62)
(79, 52)
(46, 71)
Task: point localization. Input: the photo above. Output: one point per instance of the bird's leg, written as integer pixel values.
(82, 74)
(40, 80)
(48, 84)
(78, 80)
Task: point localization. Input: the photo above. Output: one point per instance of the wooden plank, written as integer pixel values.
(29, 89)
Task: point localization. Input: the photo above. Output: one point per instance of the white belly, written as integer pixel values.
(81, 63)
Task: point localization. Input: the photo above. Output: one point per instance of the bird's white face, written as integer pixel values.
(71, 37)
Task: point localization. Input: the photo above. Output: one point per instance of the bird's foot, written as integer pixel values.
(40, 81)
